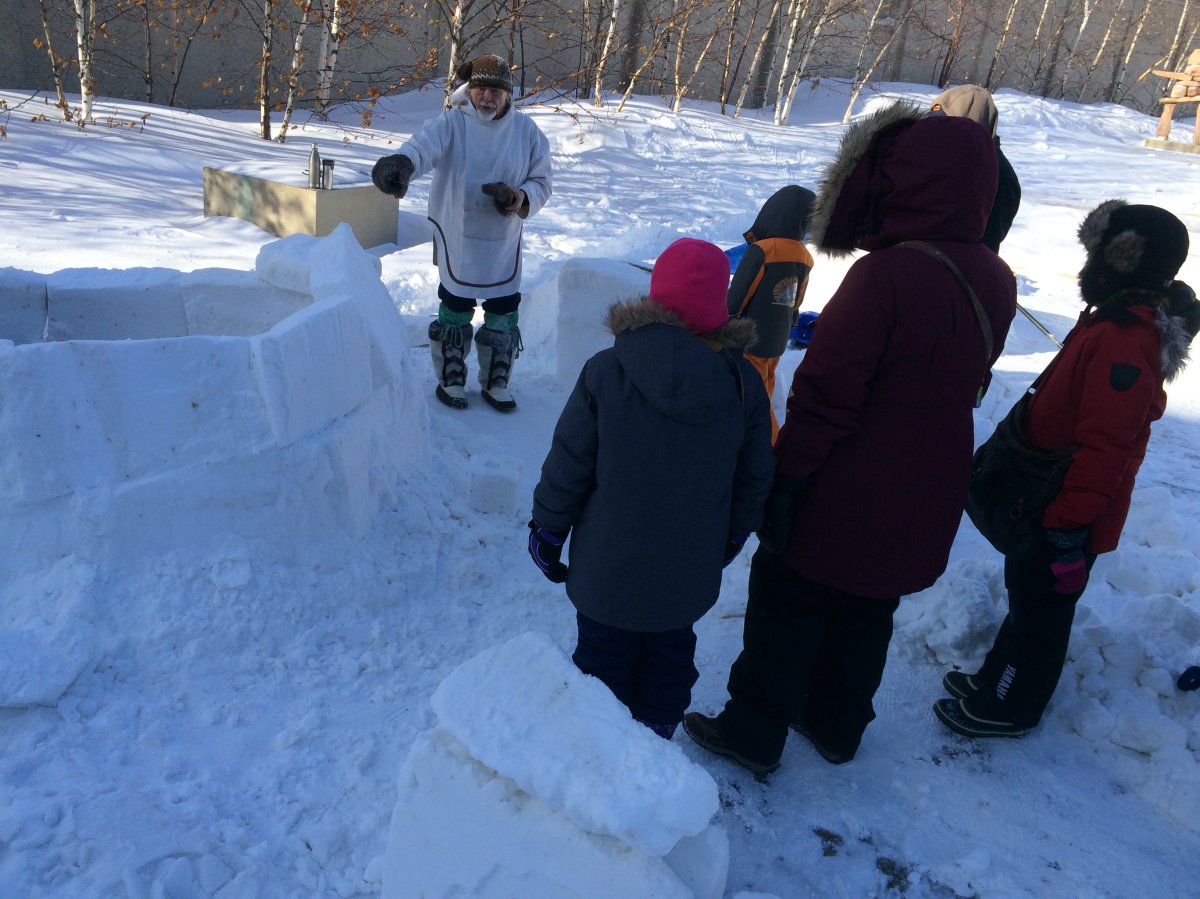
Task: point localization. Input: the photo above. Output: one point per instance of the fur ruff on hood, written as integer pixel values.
(1176, 317)
(854, 145)
(736, 334)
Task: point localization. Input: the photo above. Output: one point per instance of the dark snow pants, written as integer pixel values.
(811, 656)
(1023, 666)
(652, 674)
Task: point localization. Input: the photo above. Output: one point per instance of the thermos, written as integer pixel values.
(327, 174)
(314, 167)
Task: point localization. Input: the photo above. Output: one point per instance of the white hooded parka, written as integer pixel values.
(478, 248)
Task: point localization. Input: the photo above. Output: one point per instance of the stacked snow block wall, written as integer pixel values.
(145, 407)
(537, 782)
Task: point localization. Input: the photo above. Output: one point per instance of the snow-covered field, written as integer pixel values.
(207, 693)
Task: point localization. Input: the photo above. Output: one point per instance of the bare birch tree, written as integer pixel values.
(294, 65)
(328, 47)
(1116, 87)
(861, 75)
(265, 61)
(1005, 31)
(85, 44)
(1174, 58)
(796, 11)
(57, 64)
(681, 88)
(1089, 7)
(605, 54)
(764, 52)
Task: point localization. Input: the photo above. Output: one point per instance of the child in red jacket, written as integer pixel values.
(1100, 395)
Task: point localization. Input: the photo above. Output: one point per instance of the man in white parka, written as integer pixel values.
(491, 171)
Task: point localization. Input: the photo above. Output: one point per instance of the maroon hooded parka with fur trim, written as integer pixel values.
(880, 412)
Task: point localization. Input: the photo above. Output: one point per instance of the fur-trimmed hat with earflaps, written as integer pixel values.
(1129, 247)
(488, 70)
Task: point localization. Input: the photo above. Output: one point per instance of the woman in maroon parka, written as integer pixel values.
(874, 456)
(1099, 395)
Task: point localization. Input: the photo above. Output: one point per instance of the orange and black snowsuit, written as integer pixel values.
(768, 286)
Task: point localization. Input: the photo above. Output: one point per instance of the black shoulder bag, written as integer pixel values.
(1013, 481)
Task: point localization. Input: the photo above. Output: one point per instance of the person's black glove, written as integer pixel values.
(779, 512)
(1067, 564)
(734, 545)
(504, 196)
(391, 174)
(545, 548)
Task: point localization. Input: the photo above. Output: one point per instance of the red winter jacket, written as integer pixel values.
(1101, 393)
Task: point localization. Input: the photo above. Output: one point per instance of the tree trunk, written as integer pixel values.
(56, 65)
(1088, 7)
(297, 60)
(332, 36)
(681, 91)
(605, 52)
(85, 40)
(264, 75)
(861, 77)
(1099, 54)
(1032, 69)
(795, 14)
(760, 65)
(1117, 87)
(1174, 59)
(1005, 30)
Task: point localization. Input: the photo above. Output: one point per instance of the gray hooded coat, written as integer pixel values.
(662, 451)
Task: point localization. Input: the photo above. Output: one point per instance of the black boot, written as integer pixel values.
(449, 345)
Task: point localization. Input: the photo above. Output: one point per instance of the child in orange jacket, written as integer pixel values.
(768, 286)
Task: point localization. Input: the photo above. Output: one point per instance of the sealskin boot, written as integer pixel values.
(497, 352)
(449, 345)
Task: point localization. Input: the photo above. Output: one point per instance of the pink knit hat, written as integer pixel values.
(691, 277)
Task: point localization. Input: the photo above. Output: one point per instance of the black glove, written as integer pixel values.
(779, 512)
(504, 196)
(391, 174)
(733, 546)
(545, 548)
(1068, 565)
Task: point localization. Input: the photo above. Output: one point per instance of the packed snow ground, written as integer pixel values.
(232, 716)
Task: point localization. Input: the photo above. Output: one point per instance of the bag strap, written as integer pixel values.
(984, 325)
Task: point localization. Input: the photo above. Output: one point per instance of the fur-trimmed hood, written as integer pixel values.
(736, 334)
(902, 174)
(689, 378)
(1176, 316)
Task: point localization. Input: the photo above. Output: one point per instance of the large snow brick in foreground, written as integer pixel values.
(539, 783)
(288, 432)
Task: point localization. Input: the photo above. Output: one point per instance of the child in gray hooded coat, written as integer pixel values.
(658, 470)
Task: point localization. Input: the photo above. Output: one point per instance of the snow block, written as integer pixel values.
(310, 369)
(115, 304)
(539, 783)
(125, 446)
(22, 306)
(229, 303)
(38, 664)
(575, 309)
